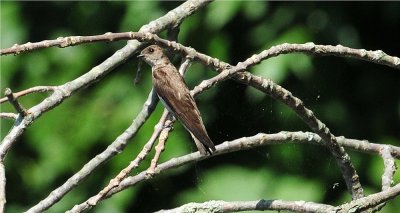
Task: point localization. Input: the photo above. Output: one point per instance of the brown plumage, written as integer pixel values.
(175, 95)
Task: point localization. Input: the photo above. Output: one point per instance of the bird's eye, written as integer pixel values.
(151, 49)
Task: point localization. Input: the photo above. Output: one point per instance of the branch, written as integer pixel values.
(246, 143)
(370, 201)
(294, 206)
(2, 186)
(260, 205)
(63, 42)
(13, 100)
(29, 91)
(8, 115)
(390, 167)
(378, 56)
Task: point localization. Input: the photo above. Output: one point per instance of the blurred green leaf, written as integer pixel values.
(132, 21)
(254, 9)
(274, 69)
(309, 190)
(221, 12)
(227, 183)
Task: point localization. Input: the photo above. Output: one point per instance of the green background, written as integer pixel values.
(354, 98)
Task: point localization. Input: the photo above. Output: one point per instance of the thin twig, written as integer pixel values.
(132, 165)
(29, 91)
(8, 115)
(162, 140)
(13, 100)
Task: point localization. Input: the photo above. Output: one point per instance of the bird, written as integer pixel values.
(175, 96)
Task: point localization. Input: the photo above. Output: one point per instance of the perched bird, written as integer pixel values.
(175, 95)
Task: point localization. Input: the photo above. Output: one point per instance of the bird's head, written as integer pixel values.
(153, 55)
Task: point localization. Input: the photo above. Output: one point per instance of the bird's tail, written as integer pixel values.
(206, 148)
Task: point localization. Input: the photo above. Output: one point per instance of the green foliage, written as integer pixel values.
(220, 13)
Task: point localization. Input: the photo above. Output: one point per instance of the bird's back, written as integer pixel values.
(174, 93)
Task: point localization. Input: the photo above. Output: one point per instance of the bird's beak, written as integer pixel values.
(140, 56)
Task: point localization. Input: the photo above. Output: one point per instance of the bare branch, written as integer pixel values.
(8, 115)
(162, 140)
(2, 186)
(260, 205)
(29, 91)
(63, 42)
(13, 100)
(377, 56)
(390, 167)
(370, 201)
(295, 206)
(246, 143)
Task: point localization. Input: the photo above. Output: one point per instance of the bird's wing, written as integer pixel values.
(183, 105)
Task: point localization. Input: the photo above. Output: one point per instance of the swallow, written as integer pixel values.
(175, 95)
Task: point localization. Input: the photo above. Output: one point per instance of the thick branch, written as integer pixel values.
(260, 205)
(2, 186)
(294, 206)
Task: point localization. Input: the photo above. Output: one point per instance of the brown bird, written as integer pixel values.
(175, 95)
